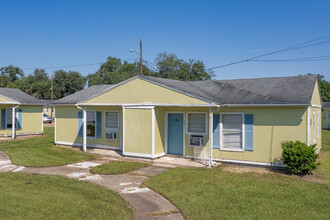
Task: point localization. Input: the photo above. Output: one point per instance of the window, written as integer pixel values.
(197, 123)
(111, 120)
(232, 136)
(318, 124)
(91, 124)
(9, 117)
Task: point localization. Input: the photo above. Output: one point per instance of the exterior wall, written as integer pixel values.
(139, 91)
(325, 118)
(49, 111)
(4, 100)
(316, 97)
(271, 127)
(318, 120)
(159, 130)
(138, 131)
(66, 128)
(31, 120)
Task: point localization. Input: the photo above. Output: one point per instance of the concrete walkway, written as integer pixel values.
(146, 203)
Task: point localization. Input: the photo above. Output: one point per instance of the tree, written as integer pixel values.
(66, 83)
(324, 87)
(171, 67)
(114, 71)
(10, 74)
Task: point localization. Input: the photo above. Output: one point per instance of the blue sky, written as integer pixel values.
(61, 33)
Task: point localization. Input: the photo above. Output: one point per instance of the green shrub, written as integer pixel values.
(298, 157)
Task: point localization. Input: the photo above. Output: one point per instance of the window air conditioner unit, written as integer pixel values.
(111, 135)
(196, 140)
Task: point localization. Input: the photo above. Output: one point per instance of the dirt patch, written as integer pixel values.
(241, 169)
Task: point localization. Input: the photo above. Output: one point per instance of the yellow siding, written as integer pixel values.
(316, 98)
(325, 118)
(141, 91)
(31, 120)
(67, 126)
(138, 131)
(318, 135)
(4, 100)
(159, 130)
(271, 127)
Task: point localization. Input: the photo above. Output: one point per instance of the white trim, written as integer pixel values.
(84, 129)
(316, 106)
(250, 162)
(42, 121)
(21, 134)
(55, 126)
(138, 106)
(265, 105)
(105, 114)
(308, 126)
(243, 133)
(121, 128)
(13, 121)
(206, 124)
(10, 99)
(8, 103)
(144, 104)
(123, 133)
(153, 132)
(183, 130)
(210, 136)
(318, 124)
(137, 155)
(159, 155)
(88, 145)
(314, 127)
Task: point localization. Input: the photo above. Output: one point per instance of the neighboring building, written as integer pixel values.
(244, 120)
(326, 115)
(47, 108)
(21, 114)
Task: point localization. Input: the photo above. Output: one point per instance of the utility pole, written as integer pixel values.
(141, 72)
(51, 97)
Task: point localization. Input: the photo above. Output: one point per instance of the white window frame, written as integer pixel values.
(12, 119)
(105, 120)
(89, 137)
(318, 124)
(187, 123)
(314, 127)
(221, 131)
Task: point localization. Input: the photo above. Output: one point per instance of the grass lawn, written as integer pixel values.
(217, 194)
(118, 167)
(31, 196)
(39, 151)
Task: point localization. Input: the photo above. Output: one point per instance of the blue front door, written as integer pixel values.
(175, 134)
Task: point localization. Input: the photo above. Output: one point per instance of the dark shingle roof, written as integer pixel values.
(19, 96)
(82, 94)
(274, 90)
(326, 105)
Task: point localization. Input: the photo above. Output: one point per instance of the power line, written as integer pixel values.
(295, 47)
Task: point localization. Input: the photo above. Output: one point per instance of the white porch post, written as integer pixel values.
(84, 129)
(13, 135)
(210, 136)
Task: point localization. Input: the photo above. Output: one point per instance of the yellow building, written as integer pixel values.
(21, 114)
(244, 121)
(326, 116)
(48, 108)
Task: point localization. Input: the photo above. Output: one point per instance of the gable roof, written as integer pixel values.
(82, 94)
(296, 90)
(19, 97)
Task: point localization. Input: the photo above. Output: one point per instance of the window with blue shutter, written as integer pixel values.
(3, 119)
(248, 123)
(19, 118)
(80, 124)
(98, 124)
(216, 131)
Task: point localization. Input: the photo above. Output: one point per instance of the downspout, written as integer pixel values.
(211, 134)
(13, 121)
(84, 127)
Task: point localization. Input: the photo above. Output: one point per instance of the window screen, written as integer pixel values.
(111, 120)
(232, 131)
(196, 123)
(91, 123)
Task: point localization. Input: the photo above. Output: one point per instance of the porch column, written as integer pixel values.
(84, 129)
(210, 136)
(13, 128)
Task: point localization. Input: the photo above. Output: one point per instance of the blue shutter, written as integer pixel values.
(98, 124)
(19, 118)
(3, 118)
(80, 124)
(216, 131)
(248, 120)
